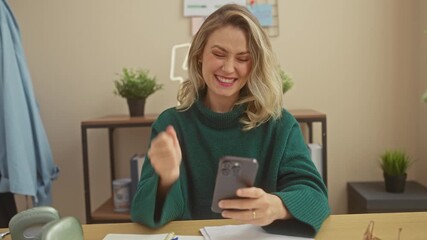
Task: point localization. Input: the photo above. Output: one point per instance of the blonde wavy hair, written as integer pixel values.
(263, 91)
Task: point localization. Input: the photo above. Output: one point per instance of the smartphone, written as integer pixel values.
(233, 173)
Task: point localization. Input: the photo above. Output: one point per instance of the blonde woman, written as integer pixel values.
(230, 105)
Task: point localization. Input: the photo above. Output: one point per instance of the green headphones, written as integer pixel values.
(44, 223)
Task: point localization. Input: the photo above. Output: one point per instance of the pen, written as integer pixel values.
(171, 236)
(3, 235)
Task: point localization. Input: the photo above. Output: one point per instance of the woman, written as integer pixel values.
(231, 105)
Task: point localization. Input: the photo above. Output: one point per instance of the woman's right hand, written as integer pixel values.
(165, 156)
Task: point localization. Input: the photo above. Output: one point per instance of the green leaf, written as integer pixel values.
(136, 84)
(287, 82)
(395, 162)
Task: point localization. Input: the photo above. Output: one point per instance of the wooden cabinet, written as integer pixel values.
(105, 213)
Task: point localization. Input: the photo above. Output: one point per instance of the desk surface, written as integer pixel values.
(349, 226)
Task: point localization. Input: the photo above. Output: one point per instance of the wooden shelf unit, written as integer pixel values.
(105, 213)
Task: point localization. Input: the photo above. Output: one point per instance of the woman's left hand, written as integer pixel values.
(256, 207)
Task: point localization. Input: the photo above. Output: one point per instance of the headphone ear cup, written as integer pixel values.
(29, 222)
(67, 228)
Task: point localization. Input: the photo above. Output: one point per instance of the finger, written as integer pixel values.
(171, 132)
(161, 147)
(242, 215)
(160, 140)
(251, 192)
(165, 140)
(237, 204)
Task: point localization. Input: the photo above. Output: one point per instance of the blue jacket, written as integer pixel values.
(26, 165)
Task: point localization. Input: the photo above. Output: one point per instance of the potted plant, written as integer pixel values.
(287, 82)
(394, 164)
(136, 86)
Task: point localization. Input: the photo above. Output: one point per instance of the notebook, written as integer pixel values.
(162, 236)
(244, 231)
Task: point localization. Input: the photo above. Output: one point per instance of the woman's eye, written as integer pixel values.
(243, 59)
(219, 55)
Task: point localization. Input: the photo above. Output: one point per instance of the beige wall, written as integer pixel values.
(421, 56)
(361, 62)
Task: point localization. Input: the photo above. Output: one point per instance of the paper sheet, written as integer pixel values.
(147, 237)
(264, 13)
(245, 231)
(202, 8)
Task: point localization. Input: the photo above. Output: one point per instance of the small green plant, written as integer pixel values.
(136, 84)
(286, 81)
(425, 97)
(395, 162)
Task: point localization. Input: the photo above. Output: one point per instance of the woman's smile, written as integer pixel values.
(225, 81)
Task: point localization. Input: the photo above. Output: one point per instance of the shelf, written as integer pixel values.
(112, 121)
(306, 114)
(106, 214)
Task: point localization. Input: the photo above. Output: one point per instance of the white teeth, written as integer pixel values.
(225, 80)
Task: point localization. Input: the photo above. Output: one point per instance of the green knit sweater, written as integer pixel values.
(285, 168)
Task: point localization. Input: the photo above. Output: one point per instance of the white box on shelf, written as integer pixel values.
(316, 156)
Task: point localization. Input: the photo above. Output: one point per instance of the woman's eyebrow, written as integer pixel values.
(225, 50)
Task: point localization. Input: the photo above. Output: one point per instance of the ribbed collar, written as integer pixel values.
(219, 120)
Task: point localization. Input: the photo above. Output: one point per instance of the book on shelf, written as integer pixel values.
(136, 163)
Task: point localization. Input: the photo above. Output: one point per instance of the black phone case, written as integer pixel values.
(233, 173)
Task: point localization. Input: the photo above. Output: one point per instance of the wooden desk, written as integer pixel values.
(350, 226)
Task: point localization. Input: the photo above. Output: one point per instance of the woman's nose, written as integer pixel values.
(228, 66)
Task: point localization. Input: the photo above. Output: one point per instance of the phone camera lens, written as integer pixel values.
(225, 171)
(236, 168)
(226, 164)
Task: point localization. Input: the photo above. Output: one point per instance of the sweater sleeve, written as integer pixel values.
(300, 185)
(145, 200)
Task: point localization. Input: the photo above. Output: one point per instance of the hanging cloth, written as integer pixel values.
(26, 165)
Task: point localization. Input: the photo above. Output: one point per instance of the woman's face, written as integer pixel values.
(226, 64)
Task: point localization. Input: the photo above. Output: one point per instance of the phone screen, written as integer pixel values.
(233, 173)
